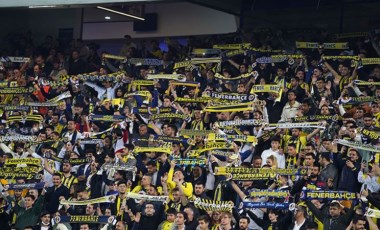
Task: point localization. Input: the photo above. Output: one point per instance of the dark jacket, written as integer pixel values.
(338, 223)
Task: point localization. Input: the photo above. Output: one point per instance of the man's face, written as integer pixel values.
(241, 88)
(46, 219)
(309, 161)
(176, 196)
(225, 220)
(145, 180)
(54, 119)
(180, 219)
(275, 145)
(295, 132)
(257, 163)
(243, 224)
(345, 71)
(90, 210)
(143, 130)
(66, 168)
(291, 96)
(71, 125)
(167, 102)
(199, 189)
(292, 151)
(170, 217)
(151, 169)
(359, 113)
(122, 188)
(360, 225)
(334, 211)
(368, 121)
(84, 227)
(197, 171)
(119, 226)
(28, 202)
(203, 225)
(314, 171)
(149, 210)
(56, 180)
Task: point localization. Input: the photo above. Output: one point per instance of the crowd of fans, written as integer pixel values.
(310, 86)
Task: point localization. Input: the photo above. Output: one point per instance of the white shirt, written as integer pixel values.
(289, 112)
(298, 227)
(279, 157)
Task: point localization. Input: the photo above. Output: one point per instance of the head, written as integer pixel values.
(225, 219)
(243, 222)
(203, 222)
(292, 150)
(90, 209)
(199, 188)
(335, 209)
(57, 179)
(149, 209)
(171, 215)
(29, 201)
(181, 218)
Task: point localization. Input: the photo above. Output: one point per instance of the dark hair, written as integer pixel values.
(245, 217)
(205, 218)
(184, 215)
(171, 211)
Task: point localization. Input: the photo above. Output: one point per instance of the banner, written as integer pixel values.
(270, 193)
(356, 100)
(15, 107)
(222, 153)
(85, 219)
(242, 138)
(39, 185)
(372, 213)
(266, 88)
(20, 172)
(229, 108)
(250, 176)
(17, 90)
(365, 83)
(177, 77)
(329, 195)
(17, 137)
(104, 199)
(37, 118)
(351, 35)
(241, 170)
(172, 139)
(315, 45)
(279, 58)
(110, 118)
(14, 59)
(359, 145)
(42, 104)
(229, 96)
(270, 205)
(123, 167)
(232, 46)
(195, 61)
(197, 51)
(317, 125)
(150, 110)
(193, 100)
(145, 61)
(213, 205)
(138, 196)
(253, 73)
(190, 161)
(369, 133)
(72, 161)
(170, 116)
(192, 132)
(62, 96)
(139, 149)
(317, 118)
(250, 122)
(18, 161)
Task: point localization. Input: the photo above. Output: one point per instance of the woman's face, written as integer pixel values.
(69, 146)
